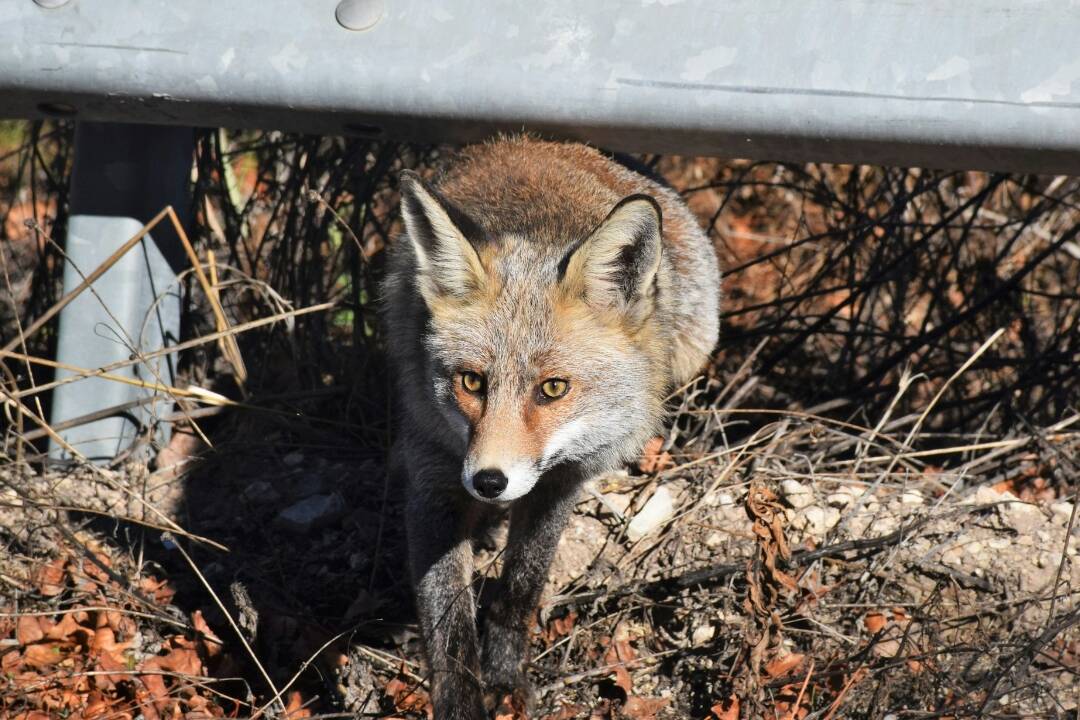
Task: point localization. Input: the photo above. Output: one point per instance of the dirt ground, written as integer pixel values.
(865, 508)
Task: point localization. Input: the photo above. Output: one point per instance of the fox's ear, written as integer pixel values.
(615, 267)
(447, 263)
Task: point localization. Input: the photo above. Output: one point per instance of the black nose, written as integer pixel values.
(489, 483)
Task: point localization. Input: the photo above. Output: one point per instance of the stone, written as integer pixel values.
(819, 520)
(798, 495)
(702, 634)
(1062, 511)
(312, 513)
(953, 556)
(656, 512)
(840, 498)
(912, 497)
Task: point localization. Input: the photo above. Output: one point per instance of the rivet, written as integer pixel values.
(51, 4)
(359, 14)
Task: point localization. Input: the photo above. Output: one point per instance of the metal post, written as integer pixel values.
(123, 175)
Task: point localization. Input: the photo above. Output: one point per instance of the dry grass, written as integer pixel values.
(901, 342)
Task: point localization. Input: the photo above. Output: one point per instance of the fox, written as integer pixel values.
(540, 304)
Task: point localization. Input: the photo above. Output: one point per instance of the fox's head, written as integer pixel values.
(541, 351)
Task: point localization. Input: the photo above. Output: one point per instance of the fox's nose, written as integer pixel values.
(489, 483)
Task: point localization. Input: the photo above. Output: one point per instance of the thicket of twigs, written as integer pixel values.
(836, 533)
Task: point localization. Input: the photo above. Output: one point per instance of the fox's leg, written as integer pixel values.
(440, 557)
(536, 522)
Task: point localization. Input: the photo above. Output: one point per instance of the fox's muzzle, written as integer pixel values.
(499, 484)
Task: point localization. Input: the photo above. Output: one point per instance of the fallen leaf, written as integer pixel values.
(406, 696)
(211, 642)
(294, 709)
(28, 630)
(641, 708)
(67, 628)
(44, 654)
(50, 577)
(783, 665)
(623, 679)
(727, 709)
(567, 712)
(874, 622)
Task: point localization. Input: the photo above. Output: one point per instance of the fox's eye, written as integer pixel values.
(554, 388)
(472, 382)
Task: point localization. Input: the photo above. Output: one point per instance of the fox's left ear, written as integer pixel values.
(447, 263)
(616, 266)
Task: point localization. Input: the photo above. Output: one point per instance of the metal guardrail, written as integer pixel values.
(978, 84)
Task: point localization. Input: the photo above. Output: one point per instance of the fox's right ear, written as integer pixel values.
(447, 263)
(616, 266)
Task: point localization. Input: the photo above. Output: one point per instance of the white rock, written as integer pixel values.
(953, 557)
(884, 524)
(714, 540)
(720, 499)
(841, 498)
(1062, 511)
(911, 497)
(983, 495)
(658, 510)
(819, 520)
(619, 501)
(702, 634)
(797, 494)
(1022, 517)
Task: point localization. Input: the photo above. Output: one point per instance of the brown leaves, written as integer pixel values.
(783, 665)
(767, 584)
(49, 579)
(727, 709)
(89, 663)
(406, 695)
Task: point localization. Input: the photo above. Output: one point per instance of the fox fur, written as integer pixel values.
(540, 305)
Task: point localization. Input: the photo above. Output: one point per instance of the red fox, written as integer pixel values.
(541, 303)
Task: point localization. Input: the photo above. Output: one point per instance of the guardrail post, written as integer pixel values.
(123, 175)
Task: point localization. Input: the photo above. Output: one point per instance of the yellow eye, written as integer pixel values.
(554, 388)
(472, 382)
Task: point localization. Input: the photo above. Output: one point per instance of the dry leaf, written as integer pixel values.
(212, 642)
(783, 665)
(567, 712)
(28, 630)
(44, 654)
(405, 696)
(294, 709)
(50, 577)
(874, 622)
(727, 709)
(640, 708)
